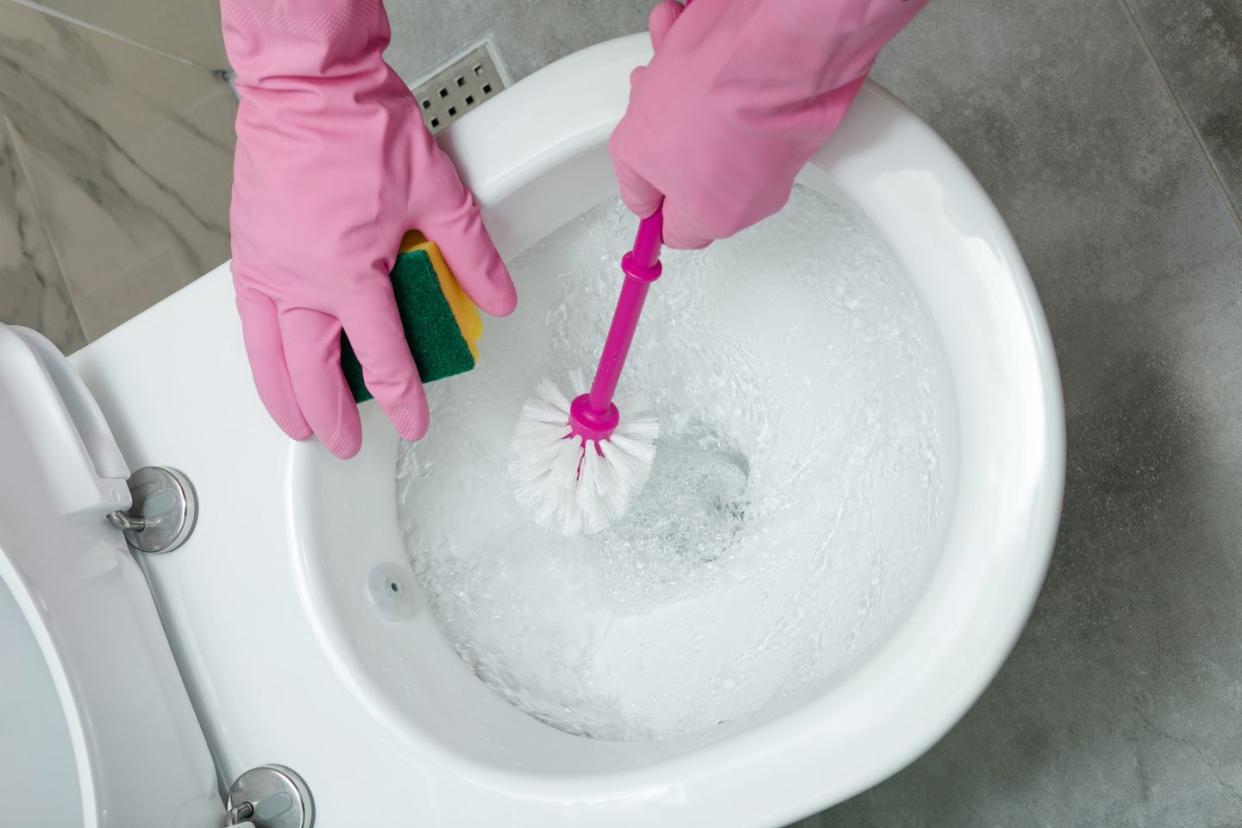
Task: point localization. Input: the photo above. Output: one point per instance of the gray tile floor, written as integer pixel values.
(1109, 134)
(1196, 45)
(1121, 703)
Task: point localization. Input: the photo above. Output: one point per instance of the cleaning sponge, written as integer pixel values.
(441, 324)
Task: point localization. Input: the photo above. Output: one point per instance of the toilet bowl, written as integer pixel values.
(299, 631)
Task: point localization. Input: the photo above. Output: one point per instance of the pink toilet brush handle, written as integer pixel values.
(641, 267)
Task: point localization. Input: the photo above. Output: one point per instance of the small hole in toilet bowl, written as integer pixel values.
(386, 590)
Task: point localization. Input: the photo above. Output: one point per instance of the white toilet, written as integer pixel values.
(263, 640)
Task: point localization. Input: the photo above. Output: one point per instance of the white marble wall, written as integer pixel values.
(115, 159)
(32, 289)
(116, 137)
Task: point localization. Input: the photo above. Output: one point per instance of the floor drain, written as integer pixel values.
(459, 85)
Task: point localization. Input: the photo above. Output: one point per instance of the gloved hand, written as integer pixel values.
(333, 165)
(738, 97)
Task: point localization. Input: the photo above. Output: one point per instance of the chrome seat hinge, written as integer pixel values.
(270, 796)
(163, 513)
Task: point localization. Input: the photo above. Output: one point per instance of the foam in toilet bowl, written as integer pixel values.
(792, 515)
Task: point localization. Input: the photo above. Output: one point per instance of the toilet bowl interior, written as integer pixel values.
(372, 616)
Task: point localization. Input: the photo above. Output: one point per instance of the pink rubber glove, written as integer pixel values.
(738, 97)
(333, 165)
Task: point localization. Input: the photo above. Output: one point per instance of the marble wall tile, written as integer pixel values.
(1198, 46)
(32, 290)
(129, 156)
(188, 29)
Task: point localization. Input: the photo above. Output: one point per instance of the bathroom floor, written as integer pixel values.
(1110, 136)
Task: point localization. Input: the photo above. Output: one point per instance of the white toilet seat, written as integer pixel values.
(287, 661)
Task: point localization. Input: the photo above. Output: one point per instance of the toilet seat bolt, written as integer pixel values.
(163, 513)
(239, 812)
(270, 796)
(129, 523)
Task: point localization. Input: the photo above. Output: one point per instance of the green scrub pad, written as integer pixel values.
(441, 324)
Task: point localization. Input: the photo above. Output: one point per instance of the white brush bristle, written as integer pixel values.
(544, 464)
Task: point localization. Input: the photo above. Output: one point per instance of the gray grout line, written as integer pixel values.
(24, 169)
(76, 21)
(1217, 178)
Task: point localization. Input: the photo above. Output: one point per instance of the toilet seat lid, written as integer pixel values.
(139, 754)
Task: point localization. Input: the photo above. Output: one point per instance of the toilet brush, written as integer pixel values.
(576, 465)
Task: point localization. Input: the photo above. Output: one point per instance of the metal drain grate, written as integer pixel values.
(460, 85)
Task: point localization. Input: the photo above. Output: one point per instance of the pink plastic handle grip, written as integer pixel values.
(641, 267)
(648, 240)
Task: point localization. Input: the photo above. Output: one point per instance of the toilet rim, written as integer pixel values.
(495, 170)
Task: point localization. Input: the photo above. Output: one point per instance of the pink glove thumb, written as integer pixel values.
(639, 195)
(661, 19)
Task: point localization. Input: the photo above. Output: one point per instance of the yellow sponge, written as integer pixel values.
(441, 324)
(469, 321)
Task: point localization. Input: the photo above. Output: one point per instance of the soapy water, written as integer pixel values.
(791, 516)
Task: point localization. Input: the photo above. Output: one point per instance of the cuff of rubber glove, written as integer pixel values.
(270, 42)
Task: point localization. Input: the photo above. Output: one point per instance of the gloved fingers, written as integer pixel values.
(661, 19)
(373, 325)
(639, 195)
(266, 352)
(446, 214)
(312, 341)
(680, 229)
